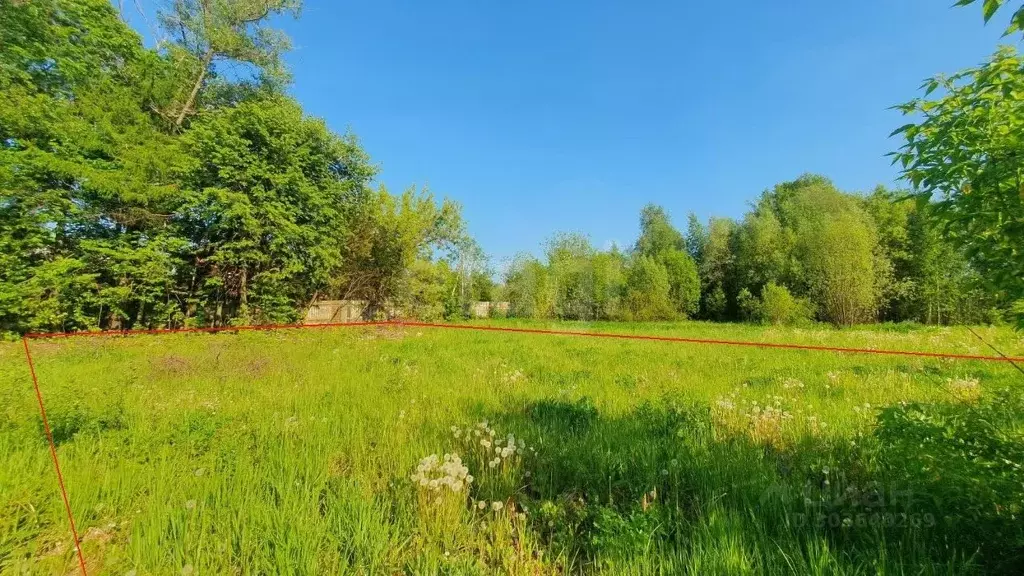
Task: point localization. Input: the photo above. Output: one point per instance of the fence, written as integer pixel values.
(335, 311)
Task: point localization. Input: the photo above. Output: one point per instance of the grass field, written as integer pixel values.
(307, 452)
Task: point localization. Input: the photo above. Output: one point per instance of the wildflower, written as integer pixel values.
(481, 505)
(496, 506)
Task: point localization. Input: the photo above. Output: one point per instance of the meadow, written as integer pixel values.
(391, 450)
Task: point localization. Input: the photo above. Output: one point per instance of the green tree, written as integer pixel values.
(647, 291)
(264, 190)
(662, 242)
(840, 265)
(529, 289)
(964, 155)
(225, 30)
(84, 170)
(716, 268)
(657, 234)
(386, 236)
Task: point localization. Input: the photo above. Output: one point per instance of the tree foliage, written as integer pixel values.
(963, 156)
(115, 213)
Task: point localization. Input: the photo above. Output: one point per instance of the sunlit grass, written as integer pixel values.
(297, 452)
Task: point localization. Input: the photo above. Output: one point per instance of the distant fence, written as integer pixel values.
(488, 309)
(334, 311)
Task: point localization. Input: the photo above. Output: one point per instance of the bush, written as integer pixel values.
(647, 291)
(778, 306)
(962, 463)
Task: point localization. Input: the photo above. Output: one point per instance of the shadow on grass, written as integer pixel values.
(662, 489)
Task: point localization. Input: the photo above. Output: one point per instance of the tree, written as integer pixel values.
(264, 192)
(840, 265)
(387, 235)
(716, 268)
(647, 291)
(226, 30)
(964, 154)
(528, 288)
(657, 234)
(683, 281)
(569, 265)
(84, 171)
(660, 241)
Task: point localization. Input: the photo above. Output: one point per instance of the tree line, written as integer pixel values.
(181, 185)
(805, 251)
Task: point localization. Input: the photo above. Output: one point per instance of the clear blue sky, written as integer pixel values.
(541, 116)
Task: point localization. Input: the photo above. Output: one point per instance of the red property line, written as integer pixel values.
(946, 355)
(409, 323)
(53, 454)
(402, 323)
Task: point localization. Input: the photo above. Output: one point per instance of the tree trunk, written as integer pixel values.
(243, 295)
(207, 58)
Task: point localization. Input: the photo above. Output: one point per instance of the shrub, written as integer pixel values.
(778, 306)
(647, 291)
(963, 464)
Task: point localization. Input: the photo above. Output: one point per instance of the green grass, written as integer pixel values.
(291, 452)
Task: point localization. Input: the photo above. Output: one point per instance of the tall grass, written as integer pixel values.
(294, 452)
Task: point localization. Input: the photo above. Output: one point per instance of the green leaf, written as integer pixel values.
(902, 129)
(989, 8)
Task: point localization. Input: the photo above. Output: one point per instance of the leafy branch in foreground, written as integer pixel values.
(990, 7)
(965, 151)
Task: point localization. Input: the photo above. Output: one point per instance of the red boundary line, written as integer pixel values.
(777, 345)
(403, 323)
(619, 336)
(53, 454)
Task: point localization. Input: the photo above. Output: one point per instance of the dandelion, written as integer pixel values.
(964, 389)
(481, 505)
(497, 506)
(435, 474)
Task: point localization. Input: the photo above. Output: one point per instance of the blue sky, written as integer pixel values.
(542, 116)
